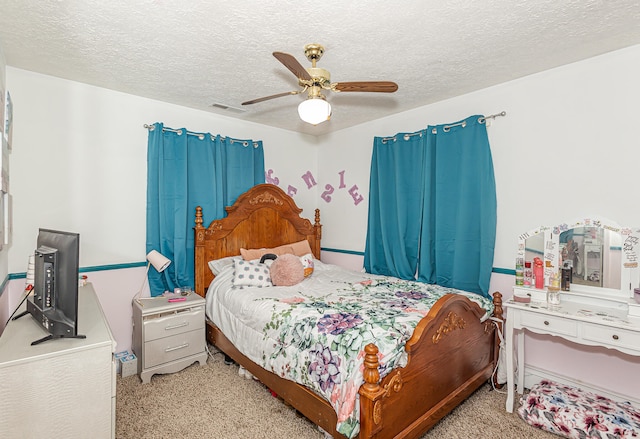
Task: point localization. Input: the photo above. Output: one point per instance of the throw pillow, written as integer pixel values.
(251, 274)
(287, 270)
(307, 264)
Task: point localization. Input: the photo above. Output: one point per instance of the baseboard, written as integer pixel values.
(533, 375)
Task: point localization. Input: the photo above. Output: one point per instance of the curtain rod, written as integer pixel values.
(200, 135)
(446, 128)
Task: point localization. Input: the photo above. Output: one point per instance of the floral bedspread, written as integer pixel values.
(315, 332)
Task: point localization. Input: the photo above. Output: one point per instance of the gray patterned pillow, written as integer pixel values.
(251, 274)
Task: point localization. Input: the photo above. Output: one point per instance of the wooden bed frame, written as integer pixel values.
(450, 355)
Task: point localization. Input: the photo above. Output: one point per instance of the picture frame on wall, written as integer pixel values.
(6, 217)
(2, 198)
(8, 119)
(2, 108)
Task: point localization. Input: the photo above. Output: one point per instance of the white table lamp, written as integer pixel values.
(159, 262)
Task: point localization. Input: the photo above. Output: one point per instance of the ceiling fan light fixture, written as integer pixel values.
(314, 110)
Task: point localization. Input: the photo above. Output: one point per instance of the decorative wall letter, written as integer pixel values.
(291, 191)
(326, 194)
(269, 179)
(308, 178)
(357, 198)
(342, 185)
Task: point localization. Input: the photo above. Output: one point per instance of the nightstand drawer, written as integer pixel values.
(184, 320)
(549, 324)
(614, 337)
(172, 348)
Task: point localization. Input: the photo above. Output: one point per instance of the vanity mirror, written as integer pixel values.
(602, 256)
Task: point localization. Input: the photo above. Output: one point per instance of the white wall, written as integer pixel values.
(79, 164)
(567, 148)
(4, 253)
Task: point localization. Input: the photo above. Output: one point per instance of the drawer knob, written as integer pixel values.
(615, 337)
(546, 322)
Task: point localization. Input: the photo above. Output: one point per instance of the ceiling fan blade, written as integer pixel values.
(368, 86)
(266, 98)
(293, 65)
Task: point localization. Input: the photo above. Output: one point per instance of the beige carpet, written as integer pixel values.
(214, 401)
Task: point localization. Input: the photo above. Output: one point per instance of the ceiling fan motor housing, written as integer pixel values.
(319, 76)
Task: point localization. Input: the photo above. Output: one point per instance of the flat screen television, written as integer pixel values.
(54, 302)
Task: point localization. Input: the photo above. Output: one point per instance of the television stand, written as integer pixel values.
(51, 337)
(68, 386)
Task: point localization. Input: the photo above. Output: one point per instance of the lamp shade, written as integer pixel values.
(314, 110)
(159, 261)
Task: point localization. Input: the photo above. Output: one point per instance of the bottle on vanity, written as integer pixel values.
(528, 274)
(538, 273)
(553, 290)
(519, 272)
(566, 278)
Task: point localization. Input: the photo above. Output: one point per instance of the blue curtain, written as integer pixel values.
(185, 170)
(396, 197)
(432, 206)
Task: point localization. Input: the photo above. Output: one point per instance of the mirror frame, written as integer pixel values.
(629, 270)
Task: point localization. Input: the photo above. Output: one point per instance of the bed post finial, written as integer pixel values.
(370, 373)
(497, 305)
(370, 394)
(317, 228)
(198, 217)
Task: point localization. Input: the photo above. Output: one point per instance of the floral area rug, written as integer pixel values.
(574, 413)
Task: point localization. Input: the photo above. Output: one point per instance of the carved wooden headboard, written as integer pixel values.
(263, 217)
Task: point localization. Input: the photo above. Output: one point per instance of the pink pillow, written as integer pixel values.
(287, 270)
(301, 248)
(257, 253)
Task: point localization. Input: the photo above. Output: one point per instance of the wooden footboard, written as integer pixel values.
(450, 355)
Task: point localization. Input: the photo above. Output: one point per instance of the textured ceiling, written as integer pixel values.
(199, 52)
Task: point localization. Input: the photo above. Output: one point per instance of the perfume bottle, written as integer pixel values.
(567, 278)
(553, 291)
(519, 272)
(528, 274)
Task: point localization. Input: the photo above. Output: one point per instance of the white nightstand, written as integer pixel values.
(168, 336)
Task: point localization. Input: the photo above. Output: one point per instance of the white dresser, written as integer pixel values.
(579, 319)
(168, 336)
(61, 388)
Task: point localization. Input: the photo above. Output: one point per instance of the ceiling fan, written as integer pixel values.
(315, 109)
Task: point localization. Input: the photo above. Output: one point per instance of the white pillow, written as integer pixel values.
(217, 265)
(307, 264)
(251, 274)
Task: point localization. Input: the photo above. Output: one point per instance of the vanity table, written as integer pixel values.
(579, 319)
(605, 315)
